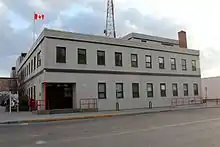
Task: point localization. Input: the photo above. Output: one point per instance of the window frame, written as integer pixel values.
(99, 58)
(29, 68)
(196, 93)
(32, 66)
(121, 92)
(84, 56)
(184, 64)
(148, 62)
(175, 92)
(161, 65)
(39, 59)
(185, 93)
(118, 62)
(163, 93)
(135, 94)
(173, 65)
(193, 66)
(134, 63)
(34, 92)
(150, 94)
(60, 58)
(99, 93)
(34, 63)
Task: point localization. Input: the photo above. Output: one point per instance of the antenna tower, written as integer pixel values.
(110, 20)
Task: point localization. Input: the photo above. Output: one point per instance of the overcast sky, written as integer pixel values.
(200, 19)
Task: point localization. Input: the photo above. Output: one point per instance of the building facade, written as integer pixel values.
(63, 67)
(210, 87)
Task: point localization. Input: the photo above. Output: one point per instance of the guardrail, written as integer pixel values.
(186, 101)
(88, 104)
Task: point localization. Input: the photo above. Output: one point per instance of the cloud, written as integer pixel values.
(86, 17)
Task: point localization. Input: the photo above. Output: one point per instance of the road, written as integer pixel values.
(191, 128)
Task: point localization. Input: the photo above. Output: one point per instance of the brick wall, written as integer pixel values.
(4, 84)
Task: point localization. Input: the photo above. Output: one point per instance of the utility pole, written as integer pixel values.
(110, 20)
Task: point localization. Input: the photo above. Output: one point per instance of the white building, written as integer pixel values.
(63, 67)
(210, 87)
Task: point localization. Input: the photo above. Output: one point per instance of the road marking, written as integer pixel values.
(40, 142)
(133, 131)
(23, 124)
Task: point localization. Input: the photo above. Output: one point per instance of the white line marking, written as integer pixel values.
(23, 124)
(40, 142)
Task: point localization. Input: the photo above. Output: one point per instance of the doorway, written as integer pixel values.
(59, 95)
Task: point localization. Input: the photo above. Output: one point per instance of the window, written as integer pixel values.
(31, 65)
(61, 54)
(135, 90)
(184, 64)
(67, 91)
(185, 89)
(118, 59)
(195, 88)
(100, 57)
(163, 89)
(39, 59)
(173, 63)
(25, 74)
(34, 92)
(102, 90)
(148, 61)
(161, 62)
(144, 41)
(81, 56)
(134, 60)
(175, 89)
(29, 68)
(31, 94)
(150, 90)
(193, 65)
(34, 62)
(119, 91)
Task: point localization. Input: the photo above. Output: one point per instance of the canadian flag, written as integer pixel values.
(38, 16)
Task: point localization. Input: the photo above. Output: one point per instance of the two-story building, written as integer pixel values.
(63, 68)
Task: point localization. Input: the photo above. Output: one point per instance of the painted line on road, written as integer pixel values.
(132, 131)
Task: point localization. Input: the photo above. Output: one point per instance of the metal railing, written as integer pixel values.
(186, 101)
(89, 103)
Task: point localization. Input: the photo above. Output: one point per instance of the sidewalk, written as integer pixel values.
(27, 117)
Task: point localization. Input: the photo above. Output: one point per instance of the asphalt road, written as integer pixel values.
(191, 128)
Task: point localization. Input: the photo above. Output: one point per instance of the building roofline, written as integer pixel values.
(51, 33)
(7, 78)
(151, 38)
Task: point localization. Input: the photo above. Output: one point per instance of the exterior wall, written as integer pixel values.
(4, 84)
(86, 83)
(86, 87)
(212, 84)
(38, 82)
(71, 58)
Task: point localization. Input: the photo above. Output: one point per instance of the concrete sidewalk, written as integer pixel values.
(27, 117)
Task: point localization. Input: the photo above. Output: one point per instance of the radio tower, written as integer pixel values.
(110, 20)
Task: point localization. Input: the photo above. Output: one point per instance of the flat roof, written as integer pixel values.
(150, 38)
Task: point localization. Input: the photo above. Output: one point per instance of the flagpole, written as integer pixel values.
(34, 29)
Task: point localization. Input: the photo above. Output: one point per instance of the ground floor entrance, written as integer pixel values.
(59, 95)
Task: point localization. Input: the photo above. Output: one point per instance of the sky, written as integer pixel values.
(200, 19)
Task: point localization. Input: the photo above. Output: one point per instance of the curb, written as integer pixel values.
(97, 116)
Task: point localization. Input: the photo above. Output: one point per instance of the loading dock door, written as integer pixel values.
(59, 95)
